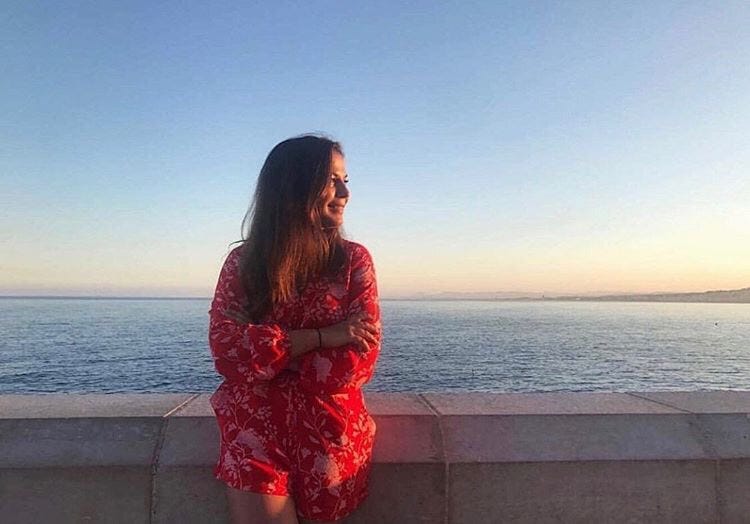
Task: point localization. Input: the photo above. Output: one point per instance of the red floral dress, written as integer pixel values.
(296, 427)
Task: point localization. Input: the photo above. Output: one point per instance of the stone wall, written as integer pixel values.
(459, 458)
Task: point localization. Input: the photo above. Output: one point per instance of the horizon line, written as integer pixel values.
(419, 296)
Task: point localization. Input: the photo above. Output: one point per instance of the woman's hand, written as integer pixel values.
(356, 329)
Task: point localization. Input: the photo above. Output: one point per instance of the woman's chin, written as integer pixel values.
(332, 222)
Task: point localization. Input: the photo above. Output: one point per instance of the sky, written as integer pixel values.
(546, 147)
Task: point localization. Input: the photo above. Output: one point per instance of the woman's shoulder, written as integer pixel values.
(357, 252)
(236, 251)
(232, 260)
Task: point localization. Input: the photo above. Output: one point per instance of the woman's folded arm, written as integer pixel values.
(243, 352)
(350, 365)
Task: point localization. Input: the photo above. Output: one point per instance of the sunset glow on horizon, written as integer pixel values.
(541, 148)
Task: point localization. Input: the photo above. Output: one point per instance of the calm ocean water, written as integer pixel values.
(111, 345)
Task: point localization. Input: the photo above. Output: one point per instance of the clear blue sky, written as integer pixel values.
(517, 146)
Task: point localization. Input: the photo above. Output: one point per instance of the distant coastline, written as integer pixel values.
(734, 296)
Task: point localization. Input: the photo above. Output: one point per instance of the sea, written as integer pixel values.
(74, 345)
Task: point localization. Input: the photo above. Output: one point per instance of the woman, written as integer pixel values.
(295, 332)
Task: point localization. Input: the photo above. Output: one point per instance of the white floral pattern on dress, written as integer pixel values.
(296, 426)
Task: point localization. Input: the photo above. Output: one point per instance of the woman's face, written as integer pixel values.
(336, 195)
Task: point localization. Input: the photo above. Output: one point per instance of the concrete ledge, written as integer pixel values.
(541, 457)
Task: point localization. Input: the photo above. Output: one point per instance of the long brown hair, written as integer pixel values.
(286, 244)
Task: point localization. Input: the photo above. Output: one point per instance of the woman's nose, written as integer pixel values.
(341, 190)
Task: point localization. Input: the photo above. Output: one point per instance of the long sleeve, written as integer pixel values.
(243, 352)
(349, 366)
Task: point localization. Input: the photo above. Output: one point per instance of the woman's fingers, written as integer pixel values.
(365, 332)
(369, 327)
(365, 338)
(366, 326)
(357, 329)
(362, 343)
